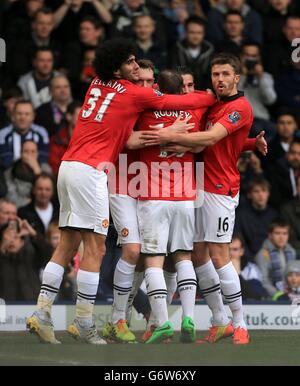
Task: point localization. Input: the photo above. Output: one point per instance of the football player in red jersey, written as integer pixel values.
(110, 110)
(227, 127)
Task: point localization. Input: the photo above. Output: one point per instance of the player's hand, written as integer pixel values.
(25, 228)
(261, 143)
(150, 137)
(182, 125)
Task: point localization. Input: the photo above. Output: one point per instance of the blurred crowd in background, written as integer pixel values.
(50, 48)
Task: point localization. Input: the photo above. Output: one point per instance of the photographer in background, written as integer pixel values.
(258, 86)
(19, 262)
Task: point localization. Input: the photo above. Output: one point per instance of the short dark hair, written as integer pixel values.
(184, 70)
(23, 102)
(291, 17)
(13, 92)
(233, 13)
(44, 11)
(278, 223)
(170, 82)
(146, 64)
(227, 58)
(110, 55)
(249, 43)
(43, 175)
(258, 181)
(42, 49)
(91, 19)
(195, 20)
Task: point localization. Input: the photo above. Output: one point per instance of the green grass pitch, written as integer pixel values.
(266, 348)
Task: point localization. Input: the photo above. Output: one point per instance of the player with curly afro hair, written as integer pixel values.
(111, 55)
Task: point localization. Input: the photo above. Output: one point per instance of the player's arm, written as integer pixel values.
(134, 141)
(181, 125)
(147, 99)
(203, 138)
(231, 121)
(176, 148)
(259, 143)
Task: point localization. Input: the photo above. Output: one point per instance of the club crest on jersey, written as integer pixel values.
(234, 117)
(105, 223)
(158, 93)
(125, 232)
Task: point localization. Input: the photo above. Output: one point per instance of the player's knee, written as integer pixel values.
(131, 254)
(219, 261)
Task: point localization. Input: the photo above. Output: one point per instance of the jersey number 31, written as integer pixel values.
(95, 94)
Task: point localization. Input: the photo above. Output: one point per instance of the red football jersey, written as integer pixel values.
(167, 178)
(109, 113)
(221, 175)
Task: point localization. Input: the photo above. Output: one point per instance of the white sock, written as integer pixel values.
(87, 286)
(137, 281)
(171, 283)
(52, 278)
(187, 285)
(231, 289)
(157, 292)
(123, 278)
(210, 288)
(152, 321)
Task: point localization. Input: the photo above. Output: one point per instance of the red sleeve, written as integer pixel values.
(148, 98)
(249, 145)
(236, 117)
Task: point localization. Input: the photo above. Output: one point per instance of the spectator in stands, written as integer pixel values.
(278, 56)
(68, 16)
(20, 176)
(253, 24)
(148, 46)
(60, 141)
(250, 167)
(18, 18)
(3, 186)
(22, 129)
(249, 273)
(194, 51)
(35, 85)
(286, 127)
(10, 97)
(41, 211)
(274, 19)
(290, 212)
(87, 74)
(288, 88)
(123, 14)
(91, 33)
(22, 50)
(8, 211)
(176, 13)
(67, 289)
(233, 34)
(52, 115)
(19, 276)
(254, 217)
(258, 86)
(282, 175)
(291, 290)
(274, 255)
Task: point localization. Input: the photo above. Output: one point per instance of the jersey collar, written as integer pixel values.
(232, 97)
